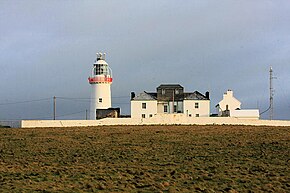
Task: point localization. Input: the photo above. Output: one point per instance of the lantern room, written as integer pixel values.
(101, 72)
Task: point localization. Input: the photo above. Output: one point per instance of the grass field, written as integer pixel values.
(145, 159)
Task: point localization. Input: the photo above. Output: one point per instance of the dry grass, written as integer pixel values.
(145, 159)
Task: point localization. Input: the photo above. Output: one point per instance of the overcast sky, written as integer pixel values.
(47, 48)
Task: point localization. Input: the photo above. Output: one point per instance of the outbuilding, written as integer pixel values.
(229, 106)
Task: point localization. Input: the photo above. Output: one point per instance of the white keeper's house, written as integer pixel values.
(169, 99)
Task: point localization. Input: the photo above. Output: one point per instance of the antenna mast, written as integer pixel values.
(271, 114)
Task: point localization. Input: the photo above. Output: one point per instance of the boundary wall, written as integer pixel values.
(12, 124)
(159, 119)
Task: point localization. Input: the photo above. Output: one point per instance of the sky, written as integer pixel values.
(48, 47)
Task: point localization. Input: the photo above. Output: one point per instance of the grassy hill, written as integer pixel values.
(145, 159)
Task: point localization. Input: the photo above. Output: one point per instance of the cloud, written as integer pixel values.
(48, 48)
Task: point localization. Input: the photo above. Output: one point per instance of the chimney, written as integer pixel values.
(207, 95)
(230, 93)
(132, 95)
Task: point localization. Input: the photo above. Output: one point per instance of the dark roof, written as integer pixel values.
(153, 94)
(163, 86)
(145, 96)
(194, 96)
(187, 96)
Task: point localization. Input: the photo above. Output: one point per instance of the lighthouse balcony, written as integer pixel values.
(97, 79)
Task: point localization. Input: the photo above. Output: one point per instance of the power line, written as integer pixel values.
(72, 98)
(47, 99)
(49, 117)
(265, 110)
(22, 102)
(74, 113)
(53, 100)
(121, 97)
(80, 98)
(85, 100)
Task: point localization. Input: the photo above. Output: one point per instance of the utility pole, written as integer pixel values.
(54, 107)
(271, 114)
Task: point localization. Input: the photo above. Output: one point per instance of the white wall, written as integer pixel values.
(186, 107)
(248, 114)
(137, 110)
(203, 109)
(159, 119)
(160, 107)
(230, 100)
(103, 91)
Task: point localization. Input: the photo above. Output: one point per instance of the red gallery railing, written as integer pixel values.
(93, 80)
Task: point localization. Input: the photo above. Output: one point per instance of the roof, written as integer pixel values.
(145, 96)
(101, 62)
(194, 96)
(153, 96)
(162, 86)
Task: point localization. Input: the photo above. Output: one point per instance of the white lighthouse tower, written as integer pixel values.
(101, 80)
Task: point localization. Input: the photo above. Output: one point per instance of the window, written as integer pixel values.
(143, 105)
(176, 91)
(95, 71)
(165, 108)
(196, 105)
(101, 69)
(100, 100)
(197, 115)
(143, 115)
(150, 115)
(163, 91)
(175, 108)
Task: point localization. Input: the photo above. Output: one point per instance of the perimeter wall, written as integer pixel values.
(12, 124)
(159, 119)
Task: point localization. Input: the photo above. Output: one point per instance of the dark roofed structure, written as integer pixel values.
(169, 99)
(145, 96)
(169, 92)
(169, 86)
(195, 96)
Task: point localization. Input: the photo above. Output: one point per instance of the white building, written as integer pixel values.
(169, 99)
(229, 106)
(100, 81)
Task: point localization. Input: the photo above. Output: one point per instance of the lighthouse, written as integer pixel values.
(100, 81)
